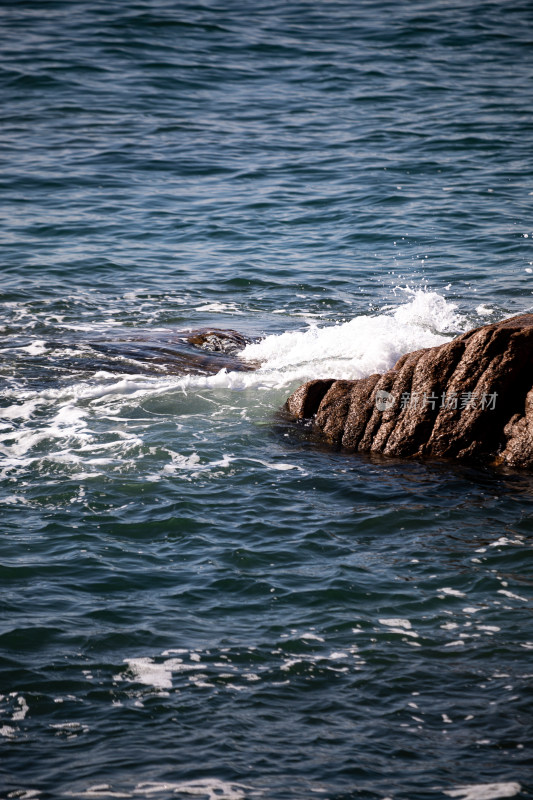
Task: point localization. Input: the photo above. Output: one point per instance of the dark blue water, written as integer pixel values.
(196, 601)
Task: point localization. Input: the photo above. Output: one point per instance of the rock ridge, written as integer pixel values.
(470, 398)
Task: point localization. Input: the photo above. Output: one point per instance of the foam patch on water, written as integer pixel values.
(15, 707)
(485, 791)
(233, 670)
(205, 788)
(451, 592)
(396, 622)
(22, 710)
(69, 730)
(399, 625)
(102, 790)
(158, 675)
(512, 595)
(312, 637)
(36, 348)
(484, 310)
(220, 308)
(505, 540)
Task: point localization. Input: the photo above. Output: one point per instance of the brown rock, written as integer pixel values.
(471, 398)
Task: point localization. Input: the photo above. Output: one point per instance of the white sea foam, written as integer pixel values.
(36, 348)
(220, 308)
(22, 710)
(484, 791)
(210, 788)
(14, 499)
(359, 347)
(101, 790)
(512, 595)
(399, 625)
(484, 311)
(451, 592)
(158, 675)
(279, 466)
(396, 622)
(504, 540)
(69, 730)
(180, 462)
(20, 410)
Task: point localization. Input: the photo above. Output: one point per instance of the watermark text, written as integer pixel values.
(447, 400)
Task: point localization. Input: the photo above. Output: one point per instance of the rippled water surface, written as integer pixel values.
(196, 600)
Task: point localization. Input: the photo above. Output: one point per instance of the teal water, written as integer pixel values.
(196, 601)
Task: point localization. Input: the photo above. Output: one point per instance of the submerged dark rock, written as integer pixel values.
(471, 398)
(218, 340)
(204, 351)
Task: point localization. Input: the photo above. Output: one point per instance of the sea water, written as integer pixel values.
(196, 600)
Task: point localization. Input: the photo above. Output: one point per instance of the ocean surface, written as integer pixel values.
(196, 601)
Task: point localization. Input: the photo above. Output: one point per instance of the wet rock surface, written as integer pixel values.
(217, 340)
(471, 398)
(204, 351)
